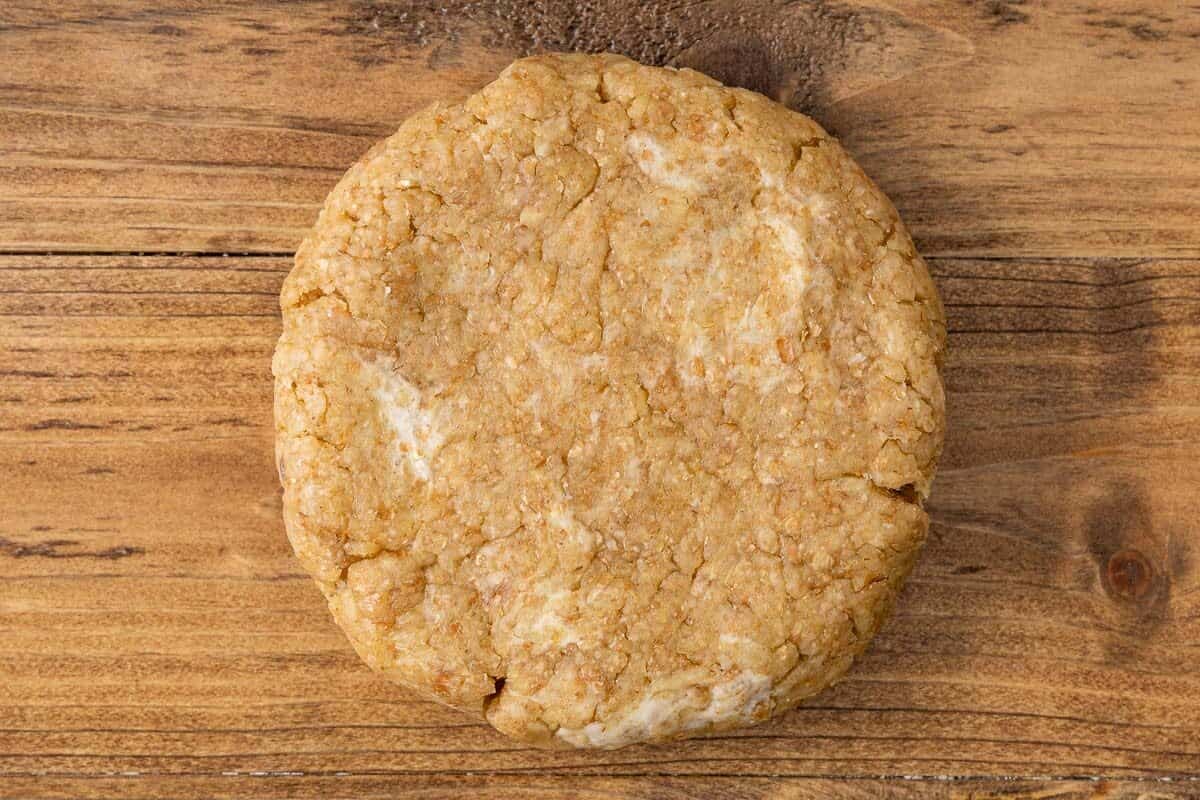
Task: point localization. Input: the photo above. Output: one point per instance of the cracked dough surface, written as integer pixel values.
(606, 404)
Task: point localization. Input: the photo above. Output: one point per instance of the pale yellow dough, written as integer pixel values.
(607, 401)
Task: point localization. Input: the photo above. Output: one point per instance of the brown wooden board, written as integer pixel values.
(158, 639)
(999, 127)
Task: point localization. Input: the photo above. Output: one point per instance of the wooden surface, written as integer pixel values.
(158, 161)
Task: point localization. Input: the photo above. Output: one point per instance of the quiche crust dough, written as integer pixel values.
(607, 401)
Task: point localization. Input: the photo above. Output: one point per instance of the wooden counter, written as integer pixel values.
(160, 161)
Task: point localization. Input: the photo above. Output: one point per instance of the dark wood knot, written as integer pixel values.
(1130, 575)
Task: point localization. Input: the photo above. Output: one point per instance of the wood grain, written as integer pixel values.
(174, 637)
(671, 787)
(156, 635)
(999, 127)
(508, 787)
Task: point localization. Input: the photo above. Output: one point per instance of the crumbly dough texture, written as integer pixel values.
(607, 401)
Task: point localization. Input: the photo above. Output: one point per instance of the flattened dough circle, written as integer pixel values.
(606, 402)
